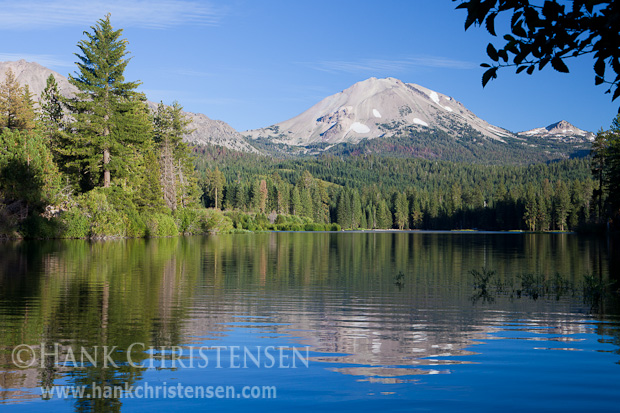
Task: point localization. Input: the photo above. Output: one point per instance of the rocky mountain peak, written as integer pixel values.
(375, 108)
(561, 130)
(35, 76)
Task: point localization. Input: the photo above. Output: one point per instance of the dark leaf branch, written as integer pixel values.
(550, 33)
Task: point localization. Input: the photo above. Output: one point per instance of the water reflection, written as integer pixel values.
(334, 292)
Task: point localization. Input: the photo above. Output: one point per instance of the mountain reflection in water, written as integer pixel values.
(334, 292)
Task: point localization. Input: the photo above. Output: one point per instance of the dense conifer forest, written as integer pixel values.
(366, 192)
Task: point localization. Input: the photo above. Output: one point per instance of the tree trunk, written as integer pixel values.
(168, 179)
(106, 133)
(106, 170)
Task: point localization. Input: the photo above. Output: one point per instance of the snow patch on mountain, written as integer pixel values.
(359, 128)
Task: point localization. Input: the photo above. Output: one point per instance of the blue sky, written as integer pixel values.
(252, 63)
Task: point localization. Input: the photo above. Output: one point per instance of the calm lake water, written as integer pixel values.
(326, 321)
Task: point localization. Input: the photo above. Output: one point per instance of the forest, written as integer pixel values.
(103, 164)
(374, 192)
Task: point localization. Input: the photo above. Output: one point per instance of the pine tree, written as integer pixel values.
(28, 174)
(255, 196)
(51, 114)
(16, 105)
(306, 206)
(531, 209)
(149, 196)
(295, 201)
(370, 218)
(606, 150)
(562, 204)
(52, 117)
(384, 216)
(105, 107)
(219, 180)
(177, 171)
(344, 210)
(356, 209)
(544, 205)
(262, 196)
(241, 197)
(401, 210)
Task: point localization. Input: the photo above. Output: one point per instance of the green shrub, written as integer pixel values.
(314, 227)
(123, 203)
(262, 221)
(188, 221)
(135, 226)
(214, 220)
(75, 224)
(36, 226)
(105, 219)
(160, 225)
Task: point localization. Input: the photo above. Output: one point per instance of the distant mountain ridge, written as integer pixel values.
(207, 131)
(382, 116)
(390, 117)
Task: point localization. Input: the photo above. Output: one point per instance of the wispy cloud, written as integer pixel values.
(42, 59)
(192, 73)
(389, 65)
(152, 14)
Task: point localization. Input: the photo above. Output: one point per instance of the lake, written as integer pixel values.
(350, 321)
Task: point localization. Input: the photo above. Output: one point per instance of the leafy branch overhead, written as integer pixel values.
(549, 33)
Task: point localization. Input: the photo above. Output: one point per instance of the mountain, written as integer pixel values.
(392, 118)
(35, 76)
(206, 131)
(377, 108)
(562, 131)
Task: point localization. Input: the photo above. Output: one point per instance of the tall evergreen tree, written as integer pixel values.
(531, 208)
(606, 150)
(561, 203)
(344, 210)
(263, 194)
(170, 125)
(105, 107)
(52, 117)
(51, 114)
(356, 209)
(295, 201)
(401, 210)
